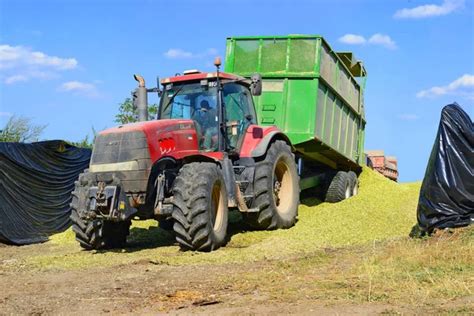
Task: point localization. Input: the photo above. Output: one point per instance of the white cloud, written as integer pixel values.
(463, 86)
(80, 88)
(5, 114)
(430, 10)
(39, 58)
(352, 39)
(376, 39)
(19, 64)
(408, 117)
(383, 40)
(178, 53)
(15, 56)
(15, 78)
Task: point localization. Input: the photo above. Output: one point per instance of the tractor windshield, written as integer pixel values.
(184, 101)
(194, 102)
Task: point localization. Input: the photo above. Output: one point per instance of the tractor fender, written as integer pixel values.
(264, 144)
(169, 162)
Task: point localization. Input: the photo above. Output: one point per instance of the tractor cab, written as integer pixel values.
(220, 105)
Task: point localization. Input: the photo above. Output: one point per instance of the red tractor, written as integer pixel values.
(203, 155)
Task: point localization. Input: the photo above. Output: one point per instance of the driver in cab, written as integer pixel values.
(206, 117)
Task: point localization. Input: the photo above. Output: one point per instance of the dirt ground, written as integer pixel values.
(146, 287)
(330, 263)
(153, 287)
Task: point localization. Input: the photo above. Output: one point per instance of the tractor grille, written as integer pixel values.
(125, 156)
(120, 147)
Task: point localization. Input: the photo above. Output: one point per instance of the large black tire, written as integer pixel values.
(339, 188)
(277, 190)
(354, 182)
(200, 207)
(94, 234)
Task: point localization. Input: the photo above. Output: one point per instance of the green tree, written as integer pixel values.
(21, 129)
(127, 114)
(85, 142)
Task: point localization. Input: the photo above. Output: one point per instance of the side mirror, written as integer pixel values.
(256, 85)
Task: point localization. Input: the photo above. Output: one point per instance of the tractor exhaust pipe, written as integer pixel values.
(140, 99)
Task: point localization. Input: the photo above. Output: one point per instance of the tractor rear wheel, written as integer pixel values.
(200, 207)
(276, 186)
(340, 188)
(94, 233)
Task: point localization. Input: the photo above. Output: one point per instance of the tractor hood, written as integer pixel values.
(148, 126)
(144, 141)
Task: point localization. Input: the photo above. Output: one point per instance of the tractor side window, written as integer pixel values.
(240, 112)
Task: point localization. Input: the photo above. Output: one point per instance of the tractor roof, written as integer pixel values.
(195, 76)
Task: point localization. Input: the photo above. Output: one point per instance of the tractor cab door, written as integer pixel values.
(240, 113)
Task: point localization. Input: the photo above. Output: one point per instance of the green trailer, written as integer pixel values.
(312, 93)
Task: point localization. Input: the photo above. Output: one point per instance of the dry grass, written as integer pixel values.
(436, 272)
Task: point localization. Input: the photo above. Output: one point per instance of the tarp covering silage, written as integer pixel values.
(36, 181)
(447, 192)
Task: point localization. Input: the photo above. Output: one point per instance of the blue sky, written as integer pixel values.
(68, 64)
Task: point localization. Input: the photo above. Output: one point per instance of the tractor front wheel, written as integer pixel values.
(200, 207)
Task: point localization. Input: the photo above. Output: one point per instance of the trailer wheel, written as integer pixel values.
(200, 207)
(339, 188)
(277, 190)
(354, 181)
(94, 234)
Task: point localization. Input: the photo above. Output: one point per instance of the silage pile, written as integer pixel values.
(382, 210)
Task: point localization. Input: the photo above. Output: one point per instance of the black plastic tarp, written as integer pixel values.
(447, 192)
(36, 181)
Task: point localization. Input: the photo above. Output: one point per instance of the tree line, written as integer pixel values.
(23, 130)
